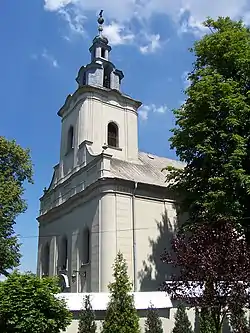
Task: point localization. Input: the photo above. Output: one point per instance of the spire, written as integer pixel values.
(100, 22)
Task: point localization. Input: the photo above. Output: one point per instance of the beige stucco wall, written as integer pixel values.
(166, 315)
(72, 225)
(90, 115)
(133, 224)
(152, 235)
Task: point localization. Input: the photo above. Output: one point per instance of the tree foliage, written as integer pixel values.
(206, 321)
(212, 133)
(239, 322)
(121, 315)
(87, 317)
(214, 265)
(153, 323)
(182, 323)
(28, 304)
(15, 169)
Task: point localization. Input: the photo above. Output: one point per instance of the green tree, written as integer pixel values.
(28, 304)
(15, 169)
(153, 322)
(87, 317)
(121, 315)
(206, 321)
(212, 137)
(239, 322)
(182, 323)
(212, 133)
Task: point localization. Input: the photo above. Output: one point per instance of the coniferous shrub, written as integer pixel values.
(121, 315)
(206, 321)
(182, 323)
(153, 322)
(87, 322)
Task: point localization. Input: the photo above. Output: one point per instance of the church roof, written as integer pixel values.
(148, 170)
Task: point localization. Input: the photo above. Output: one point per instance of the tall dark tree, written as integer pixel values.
(153, 323)
(15, 169)
(214, 265)
(87, 317)
(212, 133)
(121, 315)
(182, 323)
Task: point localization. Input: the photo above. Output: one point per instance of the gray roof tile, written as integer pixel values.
(148, 169)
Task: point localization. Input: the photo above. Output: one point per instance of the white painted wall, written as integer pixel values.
(152, 236)
(90, 114)
(166, 316)
(109, 215)
(72, 225)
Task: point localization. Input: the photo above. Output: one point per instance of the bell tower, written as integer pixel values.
(99, 113)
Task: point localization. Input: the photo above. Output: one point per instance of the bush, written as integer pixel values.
(182, 323)
(28, 304)
(121, 315)
(153, 322)
(87, 317)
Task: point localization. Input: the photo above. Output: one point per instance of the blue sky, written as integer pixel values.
(44, 43)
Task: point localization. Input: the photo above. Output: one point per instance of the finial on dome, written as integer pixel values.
(100, 21)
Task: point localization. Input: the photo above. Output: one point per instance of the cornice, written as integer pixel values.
(108, 185)
(127, 100)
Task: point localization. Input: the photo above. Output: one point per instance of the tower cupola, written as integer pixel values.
(100, 72)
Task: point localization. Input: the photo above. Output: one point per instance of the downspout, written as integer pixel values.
(134, 237)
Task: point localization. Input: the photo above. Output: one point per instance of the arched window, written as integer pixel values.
(107, 76)
(103, 53)
(46, 259)
(86, 246)
(113, 135)
(63, 254)
(70, 141)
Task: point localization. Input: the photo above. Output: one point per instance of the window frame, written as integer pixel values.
(113, 135)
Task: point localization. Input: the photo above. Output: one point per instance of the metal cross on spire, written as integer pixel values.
(100, 21)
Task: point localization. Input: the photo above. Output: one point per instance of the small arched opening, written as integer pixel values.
(84, 77)
(86, 246)
(103, 53)
(63, 254)
(70, 139)
(107, 76)
(46, 259)
(113, 135)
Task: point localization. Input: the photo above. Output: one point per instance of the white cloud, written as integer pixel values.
(143, 114)
(2, 278)
(186, 82)
(146, 109)
(74, 18)
(187, 14)
(117, 34)
(190, 25)
(153, 45)
(47, 56)
(56, 4)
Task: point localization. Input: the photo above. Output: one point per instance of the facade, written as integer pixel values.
(104, 195)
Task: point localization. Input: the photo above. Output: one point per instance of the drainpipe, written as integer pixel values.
(134, 237)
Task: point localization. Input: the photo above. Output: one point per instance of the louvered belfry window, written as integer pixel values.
(106, 77)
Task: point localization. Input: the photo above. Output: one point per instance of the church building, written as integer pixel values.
(105, 195)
